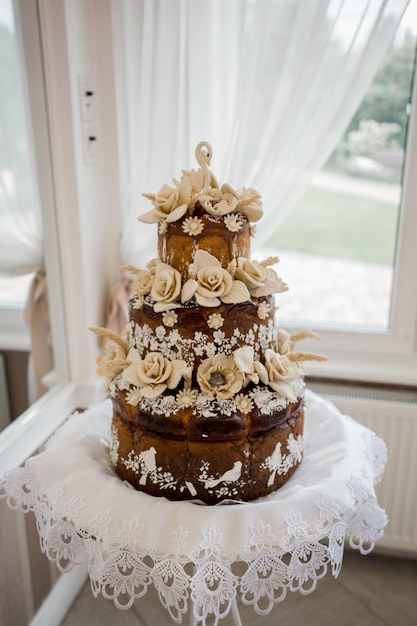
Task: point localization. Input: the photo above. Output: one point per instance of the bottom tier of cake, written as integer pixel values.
(227, 458)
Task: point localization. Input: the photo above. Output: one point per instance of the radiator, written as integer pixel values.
(392, 415)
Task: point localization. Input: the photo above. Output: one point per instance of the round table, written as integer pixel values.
(210, 555)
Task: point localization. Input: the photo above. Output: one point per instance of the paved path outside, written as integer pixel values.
(375, 190)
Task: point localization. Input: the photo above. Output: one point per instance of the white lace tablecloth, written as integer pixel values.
(285, 541)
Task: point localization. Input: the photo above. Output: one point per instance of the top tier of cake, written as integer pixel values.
(197, 214)
(204, 244)
(226, 239)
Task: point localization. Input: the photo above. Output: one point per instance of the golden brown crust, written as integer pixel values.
(221, 458)
(177, 248)
(241, 324)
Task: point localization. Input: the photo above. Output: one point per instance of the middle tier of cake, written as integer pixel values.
(193, 333)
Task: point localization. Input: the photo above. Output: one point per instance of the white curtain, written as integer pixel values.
(21, 236)
(271, 84)
(20, 216)
(176, 77)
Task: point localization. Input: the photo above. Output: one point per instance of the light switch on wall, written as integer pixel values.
(88, 119)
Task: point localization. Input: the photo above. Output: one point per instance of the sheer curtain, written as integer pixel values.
(177, 80)
(271, 84)
(21, 226)
(21, 248)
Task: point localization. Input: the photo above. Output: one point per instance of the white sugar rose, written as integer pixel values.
(252, 273)
(167, 206)
(166, 288)
(219, 376)
(227, 204)
(154, 373)
(212, 284)
(250, 204)
(281, 371)
(260, 279)
(208, 196)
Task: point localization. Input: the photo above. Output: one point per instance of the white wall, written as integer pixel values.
(86, 196)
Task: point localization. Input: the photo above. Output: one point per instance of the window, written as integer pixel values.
(20, 221)
(346, 248)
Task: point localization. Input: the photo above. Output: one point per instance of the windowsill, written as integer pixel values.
(371, 369)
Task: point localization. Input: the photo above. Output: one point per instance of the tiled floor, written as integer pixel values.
(372, 590)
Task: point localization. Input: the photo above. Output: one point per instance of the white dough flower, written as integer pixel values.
(250, 204)
(264, 309)
(143, 282)
(215, 321)
(114, 357)
(243, 403)
(233, 222)
(192, 226)
(186, 397)
(167, 206)
(166, 288)
(134, 396)
(281, 371)
(252, 370)
(169, 318)
(212, 284)
(227, 204)
(259, 278)
(219, 376)
(154, 373)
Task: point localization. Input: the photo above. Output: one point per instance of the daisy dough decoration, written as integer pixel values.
(186, 397)
(244, 403)
(233, 222)
(215, 321)
(192, 226)
(169, 318)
